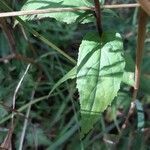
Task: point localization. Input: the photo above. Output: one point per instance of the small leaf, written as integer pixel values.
(99, 74)
(128, 78)
(66, 17)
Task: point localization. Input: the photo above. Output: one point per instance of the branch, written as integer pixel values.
(145, 4)
(27, 115)
(17, 57)
(118, 6)
(52, 10)
(139, 53)
(7, 58)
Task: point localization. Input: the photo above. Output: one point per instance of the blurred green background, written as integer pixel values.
(53, 123)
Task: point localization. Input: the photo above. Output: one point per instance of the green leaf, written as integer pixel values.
(128, 78)
(67, 17)
(99, 74)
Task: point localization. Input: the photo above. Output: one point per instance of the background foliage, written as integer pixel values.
(54, 122)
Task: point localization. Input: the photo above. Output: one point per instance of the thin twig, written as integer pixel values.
(26, 59)
(17, 57)
(13, 110)
(17, 89)
(7, 141)
(117, 6)
(43, 11)
(139, 53)
(27, 115)
(25, 123)
(52, 10)
(7, 58)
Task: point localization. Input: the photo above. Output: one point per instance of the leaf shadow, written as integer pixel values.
(86, 58)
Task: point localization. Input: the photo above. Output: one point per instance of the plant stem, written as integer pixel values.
(98, 17)
(52, 10)
(139, 53)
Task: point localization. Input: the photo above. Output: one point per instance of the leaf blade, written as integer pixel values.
(100, 76)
